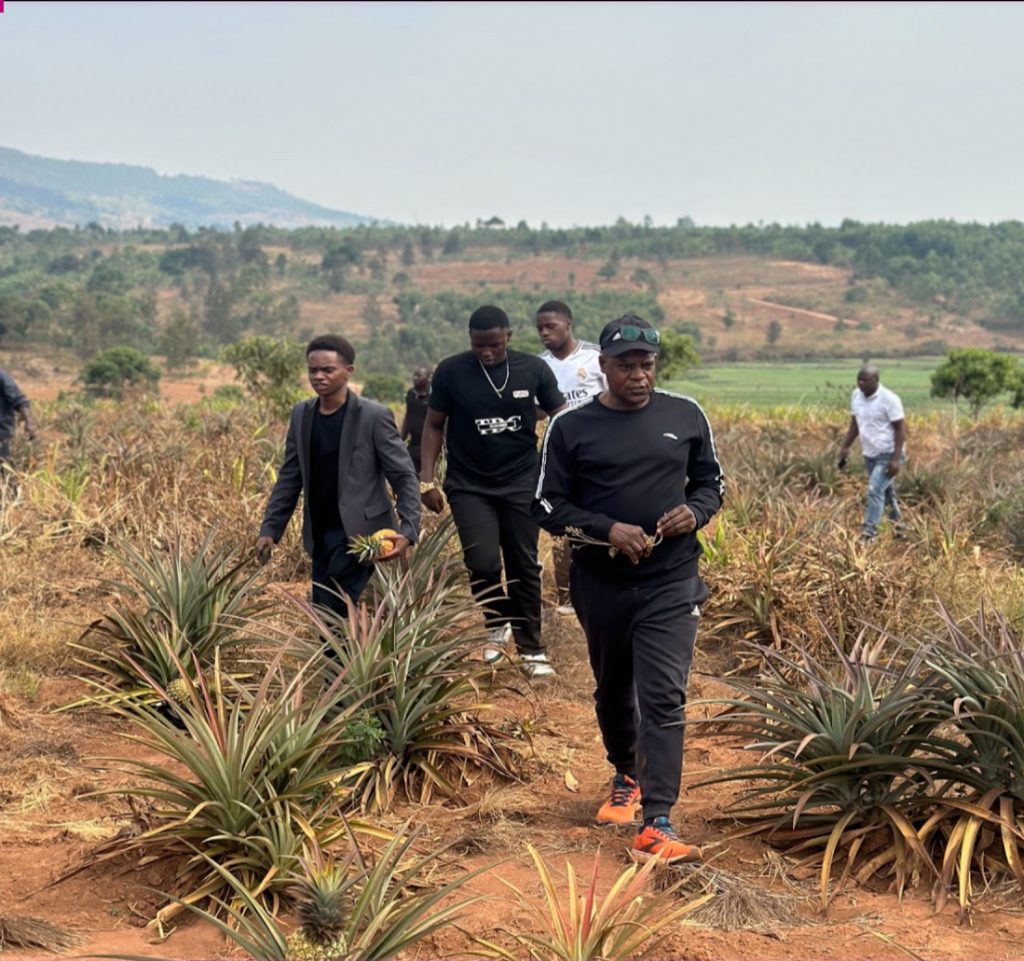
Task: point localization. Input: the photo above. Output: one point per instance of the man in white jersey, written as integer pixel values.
(877, 417)
(576, 365)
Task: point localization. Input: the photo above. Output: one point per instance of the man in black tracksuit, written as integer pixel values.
(636, 469)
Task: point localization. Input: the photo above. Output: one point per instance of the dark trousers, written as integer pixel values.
(561, 562)
(337, 574)
(640, 637)
(493, 528)
(7, 477)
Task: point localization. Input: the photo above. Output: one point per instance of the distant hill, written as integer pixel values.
(41, 192)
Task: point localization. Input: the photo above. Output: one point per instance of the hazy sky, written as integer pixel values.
(570, 113)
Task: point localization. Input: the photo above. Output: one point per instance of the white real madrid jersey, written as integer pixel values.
(579, 375)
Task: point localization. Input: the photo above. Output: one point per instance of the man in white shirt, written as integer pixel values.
(877, 417)
(577, 368)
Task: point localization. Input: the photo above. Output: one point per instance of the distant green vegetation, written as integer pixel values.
(810, 383)
(186, 293)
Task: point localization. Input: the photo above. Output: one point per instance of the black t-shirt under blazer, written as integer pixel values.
(600, 466)
(491, 439)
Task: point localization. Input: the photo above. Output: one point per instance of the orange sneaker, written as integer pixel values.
(658, 840)
(623, 807)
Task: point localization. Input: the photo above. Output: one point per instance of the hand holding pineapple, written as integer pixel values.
(382, 545)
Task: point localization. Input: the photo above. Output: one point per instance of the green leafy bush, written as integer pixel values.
(113, 371)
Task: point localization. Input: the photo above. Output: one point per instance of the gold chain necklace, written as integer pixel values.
(494, 387)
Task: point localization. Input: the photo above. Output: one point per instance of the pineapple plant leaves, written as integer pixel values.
(410, 665)
(174, 609)
(846, 760)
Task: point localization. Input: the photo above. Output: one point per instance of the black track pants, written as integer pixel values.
(641, 638)
(492, 528)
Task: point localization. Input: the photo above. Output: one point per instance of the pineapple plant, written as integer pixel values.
(373, 547)
(178, 689)
(321, 911)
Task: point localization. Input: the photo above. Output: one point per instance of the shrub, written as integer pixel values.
(114, 370)
(385, 388)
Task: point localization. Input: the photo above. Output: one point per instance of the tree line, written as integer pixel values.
(93, 288)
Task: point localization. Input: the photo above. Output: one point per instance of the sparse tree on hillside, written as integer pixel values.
(976, 375)
(178, 341)
(97, 322)
(677, 355)
(372, 313)
(774, 332)
(270, 368)
(1016, 387)
(453, 244)
(219, 320)
(250, 251)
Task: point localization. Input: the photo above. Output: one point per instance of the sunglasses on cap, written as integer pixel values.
(629, 333)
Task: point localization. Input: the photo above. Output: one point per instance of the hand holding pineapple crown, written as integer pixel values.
(634, 541)
(382, 545)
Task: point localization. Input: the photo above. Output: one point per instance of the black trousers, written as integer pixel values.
(640, 637)
(493, 528)
(7, 476)
(336, 573)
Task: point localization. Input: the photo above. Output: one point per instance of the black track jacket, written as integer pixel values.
(600, 466)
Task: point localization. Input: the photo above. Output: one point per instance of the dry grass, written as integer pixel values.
(738, 902)
(25, 932)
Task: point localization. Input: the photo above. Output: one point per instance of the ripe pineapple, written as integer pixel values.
(321, 913)
(373, 547)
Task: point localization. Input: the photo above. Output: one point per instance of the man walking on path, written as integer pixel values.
(12, 402)
(416, 403)
(483, 407)
(341, 448)
(877, 417)
(631, 475)
(576, 365)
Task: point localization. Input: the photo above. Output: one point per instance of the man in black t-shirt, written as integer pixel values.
(631, 475)
(341, 448)
(416, 403)
(483, 407)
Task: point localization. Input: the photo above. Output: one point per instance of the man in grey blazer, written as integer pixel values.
(340, 450)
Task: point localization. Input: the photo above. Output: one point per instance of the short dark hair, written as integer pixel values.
(488, 318)
(555, 307)
(333, 342)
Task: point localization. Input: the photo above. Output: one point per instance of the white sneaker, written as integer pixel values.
(566, 609)
(497, 638)
(536, 665)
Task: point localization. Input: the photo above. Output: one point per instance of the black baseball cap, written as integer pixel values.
(629, 333)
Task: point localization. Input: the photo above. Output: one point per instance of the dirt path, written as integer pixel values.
(48, 820)
(813, 314)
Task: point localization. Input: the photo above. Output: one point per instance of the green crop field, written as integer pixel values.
(825, 384)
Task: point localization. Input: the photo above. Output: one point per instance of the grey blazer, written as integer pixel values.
(371, 451)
